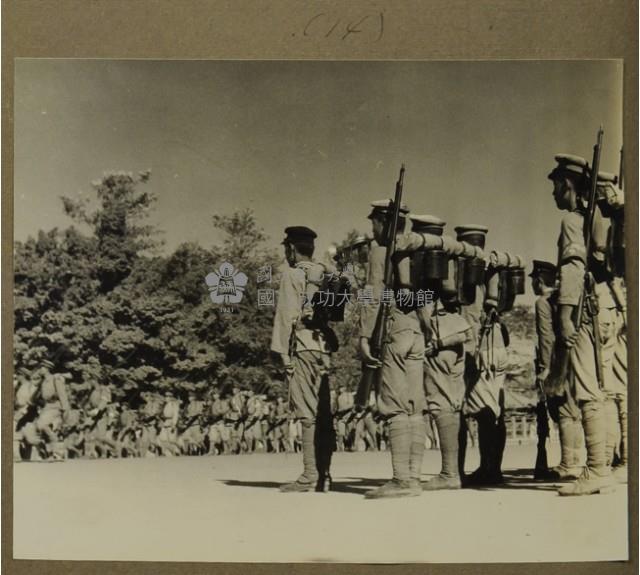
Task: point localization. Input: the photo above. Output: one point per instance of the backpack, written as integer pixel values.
(326, 293)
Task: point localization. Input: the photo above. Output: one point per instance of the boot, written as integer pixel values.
(596, 478)
(449, 426)
(325, 442)
(570, 442)
(400, 444)
(613, 429)
(497, 452)
(620, 471)
(486, 433)
(309, 478)
(418, 428)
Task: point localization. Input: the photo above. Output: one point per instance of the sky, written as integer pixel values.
(313, 143)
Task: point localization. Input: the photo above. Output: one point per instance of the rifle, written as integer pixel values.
(621, 169)
(588, 302)
(542, 428)
(370, 374)
(588, 293)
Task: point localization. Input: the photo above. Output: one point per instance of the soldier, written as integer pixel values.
(343, 406)
(281, 424)
(305, 352)
(25, 434)
(192, 437)
(218, 433)
(167, 437)
(401, 399)
(611, 204)
(570, 191)
(485, 370)
(53, 392)
(235, 420)
(127, 434)
(444, 382)
(560, 404)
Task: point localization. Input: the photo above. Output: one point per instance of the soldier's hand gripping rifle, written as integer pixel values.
(371, 373)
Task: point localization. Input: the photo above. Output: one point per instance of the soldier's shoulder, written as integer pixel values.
(572, 221)
(294, 274)
(542, 304)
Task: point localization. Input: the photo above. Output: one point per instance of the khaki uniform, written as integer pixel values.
(444, 372)
(401, 387)
(309, 396)
(571, 261)
(311, 357)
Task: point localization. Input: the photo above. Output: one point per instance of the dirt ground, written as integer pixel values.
(228, 508)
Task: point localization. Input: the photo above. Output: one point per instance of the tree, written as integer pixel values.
(117, 224)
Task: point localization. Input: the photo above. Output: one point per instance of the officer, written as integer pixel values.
(305, 353)
(570, 191)
(401, 400)
(560, 404)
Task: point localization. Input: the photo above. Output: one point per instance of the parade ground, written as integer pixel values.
(228, 509)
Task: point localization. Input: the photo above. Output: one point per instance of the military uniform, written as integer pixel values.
(611, 203)
(297, 338)
(53, 393)
(446, 332)
(560, 403)
(401, 400)
(167, 437)
(570, 179)
(445, 388)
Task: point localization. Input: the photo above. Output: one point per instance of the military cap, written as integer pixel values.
(542, 267)
(23, 371)
(568, 163)
(297, 234)
(359, 241)
(427, 224)
(381, 207)
(607, 178)
(472, 234)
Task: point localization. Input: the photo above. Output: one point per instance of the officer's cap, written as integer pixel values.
(299, 234)
(426, 223)
(543, 268)
(568, 164)
(381, 208)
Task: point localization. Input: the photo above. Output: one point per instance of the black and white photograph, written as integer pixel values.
(287, 311)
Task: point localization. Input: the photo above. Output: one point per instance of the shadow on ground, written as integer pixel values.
(519, 479)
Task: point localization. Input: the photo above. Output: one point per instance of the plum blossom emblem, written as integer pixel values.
(226, 285)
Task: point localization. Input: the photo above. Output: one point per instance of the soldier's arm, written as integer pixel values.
(375, 283)
(546, 336)
(61, 392)
(288, 308)
(572, 258)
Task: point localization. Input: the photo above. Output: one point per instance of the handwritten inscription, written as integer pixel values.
(368, 26)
